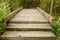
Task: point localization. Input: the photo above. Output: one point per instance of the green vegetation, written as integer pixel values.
(56, 15)
(3, 12)
(46, 5)
(30, 3)
(56, 28)
(14, 4)
(5, 9)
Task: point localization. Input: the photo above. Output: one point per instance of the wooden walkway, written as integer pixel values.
(28, 24)
(29, 15)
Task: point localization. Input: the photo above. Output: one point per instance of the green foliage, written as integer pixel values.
(0, 1)
(46, 5)
(56, 28)
(3, 13)
(4, 9)
(56, 7)
(14, 4)
(56, 15)
(56, 3)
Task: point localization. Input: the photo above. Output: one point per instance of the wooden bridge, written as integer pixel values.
(28, 24)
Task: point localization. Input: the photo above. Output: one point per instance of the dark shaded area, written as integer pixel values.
(30, 3)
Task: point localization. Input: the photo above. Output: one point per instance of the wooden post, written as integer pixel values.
(51, 9)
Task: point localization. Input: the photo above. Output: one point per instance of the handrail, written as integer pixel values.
(46, 15)
(10, 15)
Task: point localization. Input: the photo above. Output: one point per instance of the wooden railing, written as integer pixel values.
(46, 15)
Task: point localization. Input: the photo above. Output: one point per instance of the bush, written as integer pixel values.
(14, 4)
(45, 5)
(3, 12)
(56, 28)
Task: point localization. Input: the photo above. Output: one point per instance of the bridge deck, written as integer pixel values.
(29, 31)
(29, 15)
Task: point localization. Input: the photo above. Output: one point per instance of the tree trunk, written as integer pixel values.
(52, 1)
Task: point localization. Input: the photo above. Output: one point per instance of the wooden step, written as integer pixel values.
(28, 35)
(28, 27)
